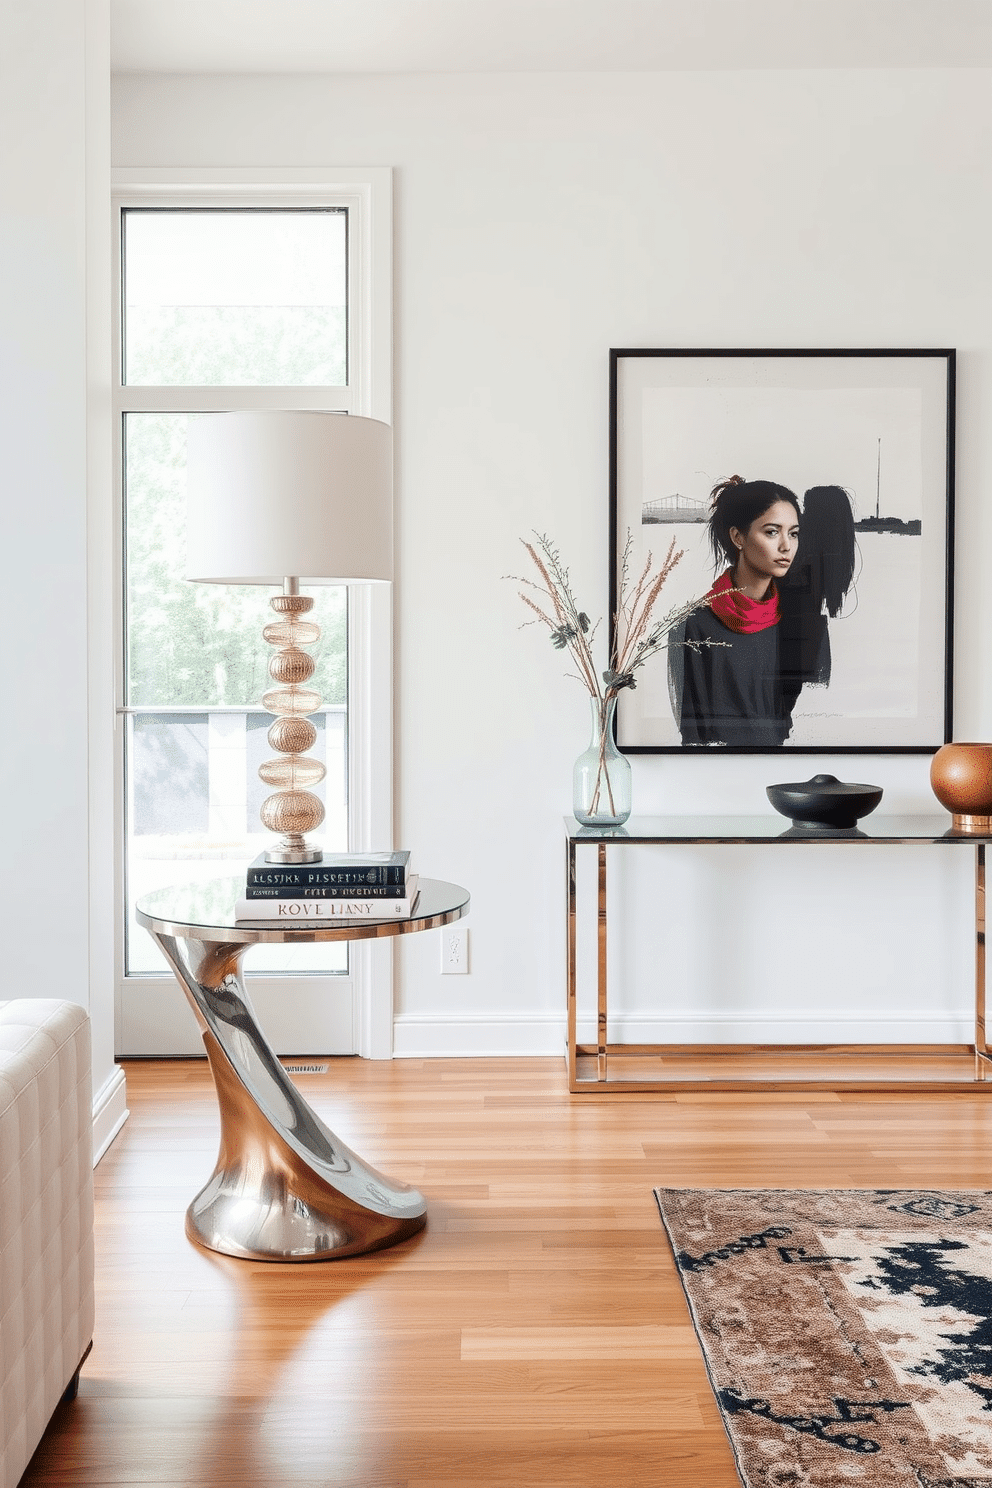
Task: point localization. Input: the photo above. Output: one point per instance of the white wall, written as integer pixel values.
(541, 220)
(54, 432)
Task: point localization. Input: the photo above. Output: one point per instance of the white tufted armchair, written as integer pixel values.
(46, 1218)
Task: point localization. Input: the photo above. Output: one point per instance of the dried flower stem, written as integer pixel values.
(602, 773)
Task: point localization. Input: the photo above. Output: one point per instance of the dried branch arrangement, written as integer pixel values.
(637, 632)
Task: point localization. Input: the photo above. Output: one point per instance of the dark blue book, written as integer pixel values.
(334, 871)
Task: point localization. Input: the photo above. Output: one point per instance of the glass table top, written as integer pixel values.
(205, 911)
(773, 828)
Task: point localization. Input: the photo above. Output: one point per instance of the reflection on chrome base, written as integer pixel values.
(285, 1188)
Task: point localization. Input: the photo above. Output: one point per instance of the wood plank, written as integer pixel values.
(599, 1343)
(534, 1334)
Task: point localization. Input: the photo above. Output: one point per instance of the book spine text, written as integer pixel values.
(301, 911)
(320, 878)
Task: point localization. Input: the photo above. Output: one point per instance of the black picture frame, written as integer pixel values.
(877, 425)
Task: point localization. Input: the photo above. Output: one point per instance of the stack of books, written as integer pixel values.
(342, 887)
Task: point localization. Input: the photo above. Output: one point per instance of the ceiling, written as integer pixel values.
(394, 36)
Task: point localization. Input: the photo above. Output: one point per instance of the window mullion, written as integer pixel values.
(171, 399)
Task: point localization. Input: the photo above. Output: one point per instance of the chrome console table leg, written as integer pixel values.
(285, 1188)
(982, 1066)
(602, 1013)
(571, 1031)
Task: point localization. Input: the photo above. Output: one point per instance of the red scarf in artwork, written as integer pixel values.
(740, 613)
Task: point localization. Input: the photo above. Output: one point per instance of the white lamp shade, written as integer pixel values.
(275, 495)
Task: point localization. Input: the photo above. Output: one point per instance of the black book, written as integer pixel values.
(334, 871)
(326, 891)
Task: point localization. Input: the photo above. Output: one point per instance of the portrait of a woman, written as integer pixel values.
(828, 625)
(724, 668)
(741, 661)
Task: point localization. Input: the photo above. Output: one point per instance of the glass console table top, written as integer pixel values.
(208, 907)
(772, 828)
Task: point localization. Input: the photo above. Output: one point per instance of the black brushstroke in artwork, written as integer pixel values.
(918, 1267)
(848, 1412)
(813, 591)
(911, 528)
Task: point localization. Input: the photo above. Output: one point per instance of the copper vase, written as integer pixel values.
(961, 779)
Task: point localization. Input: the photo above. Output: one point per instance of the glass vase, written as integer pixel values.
(601, 778)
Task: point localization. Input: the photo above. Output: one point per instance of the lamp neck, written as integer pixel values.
(290, 586)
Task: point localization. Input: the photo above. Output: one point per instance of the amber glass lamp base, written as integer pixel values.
(292, 810)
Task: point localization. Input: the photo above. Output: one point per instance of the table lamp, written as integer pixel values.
(278, 498)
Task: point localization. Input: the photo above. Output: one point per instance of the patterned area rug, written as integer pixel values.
(847, 1333)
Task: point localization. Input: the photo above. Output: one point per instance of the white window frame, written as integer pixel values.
(367, 193)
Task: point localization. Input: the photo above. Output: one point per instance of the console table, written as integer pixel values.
(603, 1066)
(285, 1188)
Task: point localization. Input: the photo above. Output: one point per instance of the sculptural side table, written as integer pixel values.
(285, 1188)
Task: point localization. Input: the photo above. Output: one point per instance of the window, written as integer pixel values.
(231, 298)
(222, 297)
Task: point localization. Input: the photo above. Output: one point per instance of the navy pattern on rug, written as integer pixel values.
(847, 1332)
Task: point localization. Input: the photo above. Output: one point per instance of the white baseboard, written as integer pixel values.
(470, 1038)
(476, 1038)
(109, 1112)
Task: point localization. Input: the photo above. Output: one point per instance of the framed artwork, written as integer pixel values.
(814, 489)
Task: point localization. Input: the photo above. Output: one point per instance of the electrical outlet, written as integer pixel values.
(454, 949)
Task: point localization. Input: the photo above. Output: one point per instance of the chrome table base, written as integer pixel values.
(605, 1066)
(285, 1188)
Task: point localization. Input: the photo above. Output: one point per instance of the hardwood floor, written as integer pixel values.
(534, 1334)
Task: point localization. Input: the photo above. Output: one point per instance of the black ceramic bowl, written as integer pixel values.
(824, 803)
